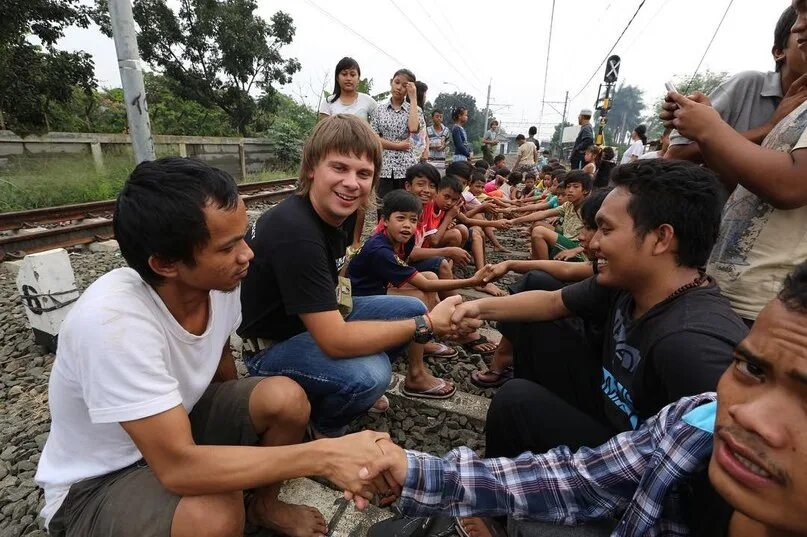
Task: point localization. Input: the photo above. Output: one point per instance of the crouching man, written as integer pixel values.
(152, 432)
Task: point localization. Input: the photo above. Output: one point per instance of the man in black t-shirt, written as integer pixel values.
(667, 331)
(296, 321)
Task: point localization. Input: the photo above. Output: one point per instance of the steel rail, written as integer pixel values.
(24, 242)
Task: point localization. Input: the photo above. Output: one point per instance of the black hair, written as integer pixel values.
(491, 122)
(514, 178)
(451, 182)
(678, 193)
(532, 131)
(530, 175)
(436, 111)
(604, 171)
(520, 137)
(421, 88)
(423, 169)
(641, 130)
(400, 201)
(781, 34)
(481, 164)
(477, 175)
(590, 206)
(455, 115)
(407, 73)
(505, 171)
(160, 211)
(460, 168)
(578, 176)
(344, 63)
(558, 166)
(608, 153)
(558, 172)
(499, 158)
(547, 169)
(794, 292)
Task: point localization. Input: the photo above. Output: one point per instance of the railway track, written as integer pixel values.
(37, 230)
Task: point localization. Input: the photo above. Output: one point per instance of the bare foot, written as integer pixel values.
(502, 249)
(476, 527)
(285, 518)
(491, 289)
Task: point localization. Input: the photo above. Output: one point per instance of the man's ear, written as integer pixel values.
(666, 241)
(778, 54)
(163, 267)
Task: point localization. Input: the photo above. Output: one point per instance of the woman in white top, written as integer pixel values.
(638, 141)
(346, 99)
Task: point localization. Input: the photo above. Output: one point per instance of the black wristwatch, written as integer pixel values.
(422, 331)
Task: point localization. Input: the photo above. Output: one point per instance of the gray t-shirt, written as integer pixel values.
(745, 101)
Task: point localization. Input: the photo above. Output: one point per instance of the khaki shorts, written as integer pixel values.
(131, 502)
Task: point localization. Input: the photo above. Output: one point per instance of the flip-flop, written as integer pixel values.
(435, 392)
(413, 527)
(444, 352)
(469, 346)
(374, 410)
(493, 527)
(501, 377)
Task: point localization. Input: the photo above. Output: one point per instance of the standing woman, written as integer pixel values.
(421, 148)
(489, 141)
(399, 126)
(346, 98)
(636, 149)
(438, 140)
(462, 149)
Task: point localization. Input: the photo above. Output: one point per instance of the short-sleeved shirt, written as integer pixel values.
(534, 142)
(460, 140)
(635, 149)
(430, 220)
(295, 270)
(526, 154)
(122, 356)
(759, 245)
(572, 224)
(679, 347)
(437, 138)
(745, 101)
(378, 266)
(393, 125)
(362, 107)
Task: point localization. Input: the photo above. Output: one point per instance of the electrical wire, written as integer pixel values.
(610, 51)
(354, 32)
(705, 52)
(646, 26)
(546, 68)
(435, 49)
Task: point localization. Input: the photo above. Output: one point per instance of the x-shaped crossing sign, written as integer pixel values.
(612, 69)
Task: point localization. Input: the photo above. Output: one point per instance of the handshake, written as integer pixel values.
(368, 466)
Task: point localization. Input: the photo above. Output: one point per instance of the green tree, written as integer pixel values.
(170, 113)
(625, 113)
(555, 144)
(33, 77)
(448, 102)
(705, 82)
(218, 51)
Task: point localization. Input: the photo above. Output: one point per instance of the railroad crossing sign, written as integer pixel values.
(612, 69)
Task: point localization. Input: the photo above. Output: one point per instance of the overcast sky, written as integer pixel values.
(472, 42)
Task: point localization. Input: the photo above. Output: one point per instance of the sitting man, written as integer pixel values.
(726, 464)
(148, 416)
(299, 319)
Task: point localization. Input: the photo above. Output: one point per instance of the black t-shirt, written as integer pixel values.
(295, 269)
(679, 347)
(376, 266)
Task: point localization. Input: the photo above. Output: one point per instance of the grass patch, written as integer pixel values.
(53, 182)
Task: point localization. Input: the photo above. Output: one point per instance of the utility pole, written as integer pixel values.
(565, 104)
(487, 105)
(604, 99)
(131, 76)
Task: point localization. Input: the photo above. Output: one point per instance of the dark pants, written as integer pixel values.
(577, 160)
(385, 186)
(555, 398)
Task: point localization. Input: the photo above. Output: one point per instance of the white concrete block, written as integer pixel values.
(30, 230)
(12, 267)
(105, 246)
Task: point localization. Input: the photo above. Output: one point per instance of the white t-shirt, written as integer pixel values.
(636, 148)
(362, 107)
(122, 356)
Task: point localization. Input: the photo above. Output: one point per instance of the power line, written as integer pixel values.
(450, 43)
(418, 30)
(357, 34)
(610, 51)
(705, 52)
(546, 68)
(646, 26)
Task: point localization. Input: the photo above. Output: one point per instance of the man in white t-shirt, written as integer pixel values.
(152, 432)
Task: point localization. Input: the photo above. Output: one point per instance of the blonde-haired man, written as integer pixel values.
(297, 318)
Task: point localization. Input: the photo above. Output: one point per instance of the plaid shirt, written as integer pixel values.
(636, 475)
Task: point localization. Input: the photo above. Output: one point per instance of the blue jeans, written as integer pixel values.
(339, 389)
(457, 158)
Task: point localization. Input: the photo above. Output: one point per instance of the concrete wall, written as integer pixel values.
(235, 155)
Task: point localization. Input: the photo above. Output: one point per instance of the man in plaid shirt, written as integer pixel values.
(751, 438)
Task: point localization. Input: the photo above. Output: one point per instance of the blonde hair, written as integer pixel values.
(343, 134)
